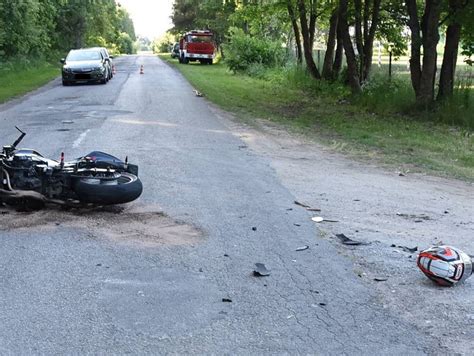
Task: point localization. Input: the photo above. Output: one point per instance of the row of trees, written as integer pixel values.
(35, 28)
(348, 27)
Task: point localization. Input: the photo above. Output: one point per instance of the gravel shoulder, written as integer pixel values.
(387, 210)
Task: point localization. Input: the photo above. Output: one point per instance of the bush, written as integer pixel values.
(244, 52)
(387, 95)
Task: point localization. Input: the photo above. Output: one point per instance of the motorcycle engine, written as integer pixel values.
(24, 174)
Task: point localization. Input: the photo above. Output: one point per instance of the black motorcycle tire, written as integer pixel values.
(129, 188)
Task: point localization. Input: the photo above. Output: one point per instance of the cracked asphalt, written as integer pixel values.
(66, 289)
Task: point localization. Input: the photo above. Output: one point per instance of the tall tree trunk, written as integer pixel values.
(369, 37)
(296, 30)
(329, 56)
(312, 21)
(352, 72)
(453, 35)
(429, 26)
(307, 45)
(337, 65)
(446, 79)
(415, 55)
(358, 35)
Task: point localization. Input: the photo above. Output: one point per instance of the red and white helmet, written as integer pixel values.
(445, 265)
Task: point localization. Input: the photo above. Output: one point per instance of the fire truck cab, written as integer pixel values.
(197, 45)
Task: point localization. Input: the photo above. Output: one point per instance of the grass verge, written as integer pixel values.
(322, 111)
(19, 78)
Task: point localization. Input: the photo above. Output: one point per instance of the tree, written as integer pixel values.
(456, 18)
(367, 16)
(424, 33)
(352, 71)
(72, 24)
(296, 30)
(184, 16)
(307, 32)
(328, 66)
(20, 34)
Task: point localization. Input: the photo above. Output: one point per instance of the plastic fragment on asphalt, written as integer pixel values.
(319, 219)
(409, 249)
(302, 248)
(226, 300)
(348, 241)
(260, 270)
(306, 206)
(302, 204)
(380, 279)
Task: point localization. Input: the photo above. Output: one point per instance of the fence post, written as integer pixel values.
(390, 65)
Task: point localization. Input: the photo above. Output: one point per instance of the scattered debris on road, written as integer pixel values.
(348, 241)
(306, 206)
(260, 270)
(319, 219)
(67, 122)
(406, 249)
(197, 93)
(415, 217)
(226, 300)
(380, 279)
(254, 228)
(302, 248)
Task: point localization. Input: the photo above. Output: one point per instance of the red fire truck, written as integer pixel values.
(197, 46)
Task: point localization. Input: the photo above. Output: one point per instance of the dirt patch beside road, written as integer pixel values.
(130, 225)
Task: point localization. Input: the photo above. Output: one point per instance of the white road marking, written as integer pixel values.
(80, 139)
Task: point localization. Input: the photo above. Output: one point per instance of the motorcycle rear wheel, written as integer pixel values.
(104, 191)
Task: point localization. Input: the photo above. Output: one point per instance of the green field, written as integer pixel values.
(327, 113)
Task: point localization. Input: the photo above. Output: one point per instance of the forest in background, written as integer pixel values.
(257, 35)
(44, 29)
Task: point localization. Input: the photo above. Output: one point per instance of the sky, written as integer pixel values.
(150, 17)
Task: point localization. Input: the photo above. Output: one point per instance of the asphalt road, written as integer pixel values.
(66, 289)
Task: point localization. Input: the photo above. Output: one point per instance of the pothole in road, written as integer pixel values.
(132, 226)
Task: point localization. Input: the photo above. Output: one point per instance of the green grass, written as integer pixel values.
(19, 78)
(327, 113)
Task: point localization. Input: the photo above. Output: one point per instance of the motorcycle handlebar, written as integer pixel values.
(18, 140)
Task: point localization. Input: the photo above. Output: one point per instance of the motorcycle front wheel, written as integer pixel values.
(105, 191)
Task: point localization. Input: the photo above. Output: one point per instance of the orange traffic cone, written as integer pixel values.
(141, 69)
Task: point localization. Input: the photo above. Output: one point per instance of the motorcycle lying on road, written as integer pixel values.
(29, 180)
